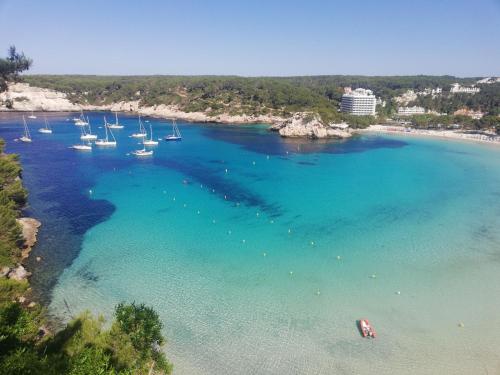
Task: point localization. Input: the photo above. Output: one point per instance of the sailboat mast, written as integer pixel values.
(106, 128)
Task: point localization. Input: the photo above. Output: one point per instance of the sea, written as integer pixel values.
(260, 253)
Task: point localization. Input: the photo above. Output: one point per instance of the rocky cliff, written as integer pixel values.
(23, 97)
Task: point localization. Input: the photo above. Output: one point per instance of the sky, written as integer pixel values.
(255, 37)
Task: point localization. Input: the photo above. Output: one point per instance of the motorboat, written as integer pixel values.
(366, 329)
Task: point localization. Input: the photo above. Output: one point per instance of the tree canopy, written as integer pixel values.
(12, 65)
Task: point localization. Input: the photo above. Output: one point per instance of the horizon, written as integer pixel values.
(249, 76)
(256, 39)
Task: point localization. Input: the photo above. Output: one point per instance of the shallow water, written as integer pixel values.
(260, 253)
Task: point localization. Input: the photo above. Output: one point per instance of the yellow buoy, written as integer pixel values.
(264, 254)
(339, 257)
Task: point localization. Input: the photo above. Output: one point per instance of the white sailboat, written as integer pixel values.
(32, 115)
(142, 152)
(176, 134)
(106, 142)
(46, 129)
(81, 121)
(142, 131)
(26, 137)
(87, 135)
(116, 125)
(84, 146)
(150, 141)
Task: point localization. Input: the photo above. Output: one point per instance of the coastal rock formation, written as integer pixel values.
(29, 228)
(301, 124)
(4, 271)
(24, 97)
(19, 273)
(308, 125)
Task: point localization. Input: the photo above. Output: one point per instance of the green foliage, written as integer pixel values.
(359, 122)
(12, 65)
(487, 100)
(12, 197)
(265, 95)
(142, 324)
(11, 289)
(91, 361)
(83, 347)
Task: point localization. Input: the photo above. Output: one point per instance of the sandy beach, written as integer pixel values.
(447, 134)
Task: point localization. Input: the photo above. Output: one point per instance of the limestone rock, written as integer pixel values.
(309, 125)
(30, 229)
(4, 271)
(19, 273)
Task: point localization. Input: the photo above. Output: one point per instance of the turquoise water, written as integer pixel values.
(259, 254)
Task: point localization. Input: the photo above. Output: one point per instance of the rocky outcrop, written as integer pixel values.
(24, 97)
(308, 125)
(301, 124)
(29, 228)
(19, 273)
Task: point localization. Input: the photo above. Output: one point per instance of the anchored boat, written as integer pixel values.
(106, 142)
(142, 131)
(46, 129)
(87, 135)
(116, 125)
(26, 137)
(176, 134)
(150, 141)
(366, 329)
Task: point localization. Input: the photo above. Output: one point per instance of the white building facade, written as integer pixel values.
(410, 111)
(456, 89)
(359, 102)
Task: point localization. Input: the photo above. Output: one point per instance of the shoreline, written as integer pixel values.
(439, 134)
(375, 129)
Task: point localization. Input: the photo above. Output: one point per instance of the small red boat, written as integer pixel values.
(366, 329)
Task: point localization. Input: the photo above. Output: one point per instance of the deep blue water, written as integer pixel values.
(260, 253)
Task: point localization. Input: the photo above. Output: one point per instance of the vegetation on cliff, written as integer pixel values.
(12, 65)
(131, 345)
(279, 96)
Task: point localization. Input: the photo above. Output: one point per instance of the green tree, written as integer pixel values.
(12, 65)
(141, 323)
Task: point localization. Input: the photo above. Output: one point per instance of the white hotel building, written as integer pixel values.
(410, 111)
(359, 102)
(457, 89)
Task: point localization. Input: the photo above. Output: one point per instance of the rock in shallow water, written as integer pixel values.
(310, 126)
